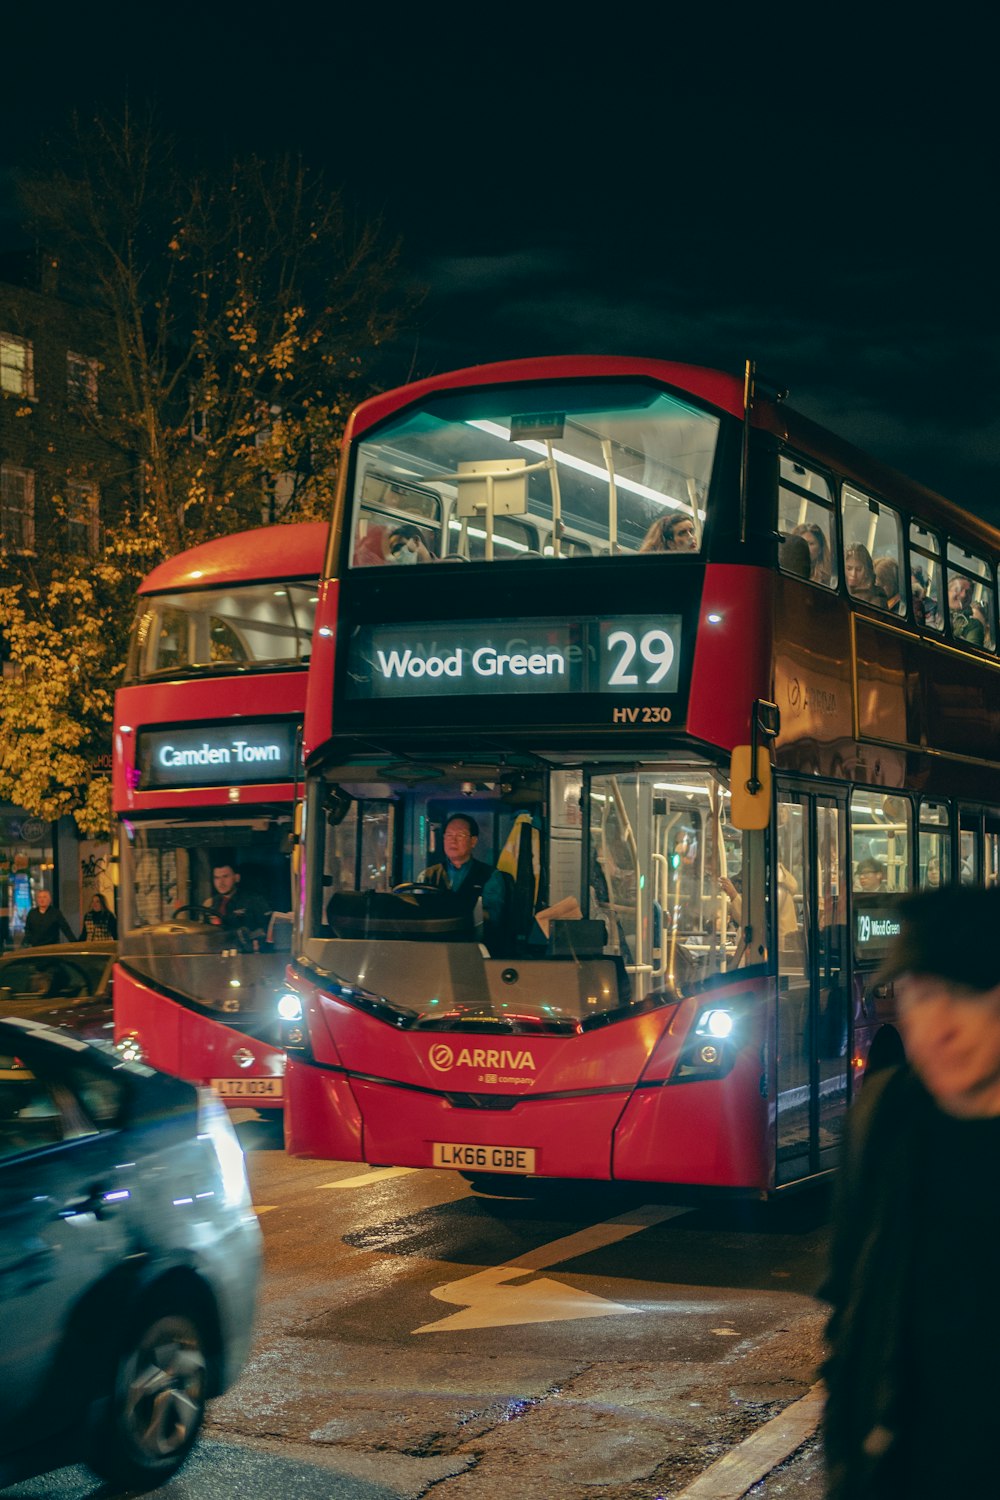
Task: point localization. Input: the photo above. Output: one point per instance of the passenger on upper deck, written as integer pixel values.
(819, 551)
(967, 622)
(887, 578)
(674, 532)
(400, 544)
(925, 606)
(859, 572)
(794, 556)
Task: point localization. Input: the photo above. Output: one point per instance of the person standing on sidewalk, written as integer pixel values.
(914, 1332)
(44, 923)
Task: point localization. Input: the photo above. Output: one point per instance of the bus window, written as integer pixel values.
(925, 578)
(643, 895)
(969, 847)
(388, 510)
(256, 626)
(934, 858)
(991, 850)
(880, 841)
(873, 544)
(197, 904)
(970, 598)
(511, 539)
(805, 509)
(602, 465)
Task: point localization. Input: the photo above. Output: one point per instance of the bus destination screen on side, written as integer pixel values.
(628, 654)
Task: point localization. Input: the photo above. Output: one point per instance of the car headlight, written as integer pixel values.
(215, 1126)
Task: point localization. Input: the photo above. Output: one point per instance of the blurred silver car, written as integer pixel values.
(129, 1259)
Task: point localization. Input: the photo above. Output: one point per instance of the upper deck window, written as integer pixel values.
(254, 627)
(873, 550)
(544, 471)
(806, 524)
(970, 597)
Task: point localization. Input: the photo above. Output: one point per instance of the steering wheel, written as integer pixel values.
(194, 912)
(415, 887)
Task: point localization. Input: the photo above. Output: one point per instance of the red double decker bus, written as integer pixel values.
(544, 928)
(207, 747)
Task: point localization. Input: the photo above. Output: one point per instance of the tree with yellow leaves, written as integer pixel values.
(242, 313)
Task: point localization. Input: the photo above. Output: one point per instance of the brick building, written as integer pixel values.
(59, 481)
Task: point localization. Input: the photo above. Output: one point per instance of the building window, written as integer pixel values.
(82, 517)
(17, 365)
(81, 378)
(17, 508)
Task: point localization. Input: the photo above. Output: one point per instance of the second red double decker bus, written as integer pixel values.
(206, 765)
(536, 937)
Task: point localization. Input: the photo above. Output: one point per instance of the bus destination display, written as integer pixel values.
(228, 754)
(630, 654)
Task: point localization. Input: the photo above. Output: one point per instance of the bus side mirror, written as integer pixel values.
(748, 809)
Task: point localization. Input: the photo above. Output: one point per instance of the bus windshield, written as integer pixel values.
(548, 470)
(244, 628)
(204, 908)
(521, 894)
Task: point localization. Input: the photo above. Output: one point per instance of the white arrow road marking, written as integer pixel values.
(738, 1471)
(378, 1174)
(490, 1302)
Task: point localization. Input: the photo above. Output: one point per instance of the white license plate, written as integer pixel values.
(249, 1088)
(517, 1159)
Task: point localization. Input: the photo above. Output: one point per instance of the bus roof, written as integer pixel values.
(245, 557)
(714, 386)
(722, 390)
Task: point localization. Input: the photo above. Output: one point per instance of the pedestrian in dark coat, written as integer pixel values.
(44, 923)
(99, 923)
(914, 1332)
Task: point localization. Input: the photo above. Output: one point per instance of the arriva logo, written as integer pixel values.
(441, 1058)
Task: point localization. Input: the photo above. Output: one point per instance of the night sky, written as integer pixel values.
(822, 201)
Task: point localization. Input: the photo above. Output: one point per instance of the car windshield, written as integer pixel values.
(61, 976)
(549, 471)
(516, 890)
(254, 627)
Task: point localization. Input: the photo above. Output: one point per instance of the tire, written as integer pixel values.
(157, 1403)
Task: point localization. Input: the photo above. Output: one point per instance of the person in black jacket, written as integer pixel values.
(44, 923)
(913, 1334)
(239, 911)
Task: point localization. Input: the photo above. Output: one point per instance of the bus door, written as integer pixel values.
(809, 885)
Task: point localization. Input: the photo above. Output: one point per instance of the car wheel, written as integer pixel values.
(157, 1403)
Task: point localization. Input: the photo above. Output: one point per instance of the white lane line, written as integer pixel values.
(378, 1174)
(490, 1302)
(736, 1472)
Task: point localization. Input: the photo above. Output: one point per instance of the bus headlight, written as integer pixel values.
(717, 1023)
(713, 1043)
(294, 1036)
(290, 1008)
